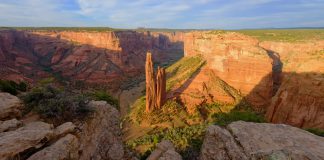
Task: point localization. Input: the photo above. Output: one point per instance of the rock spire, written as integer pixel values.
(155, 86)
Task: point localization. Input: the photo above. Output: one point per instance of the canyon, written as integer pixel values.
(95, 58)
(249, 69)
(189, 70)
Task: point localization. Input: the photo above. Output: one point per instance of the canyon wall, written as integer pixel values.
(283, 79)
(93, 57)
(237, 60)
(300, 97)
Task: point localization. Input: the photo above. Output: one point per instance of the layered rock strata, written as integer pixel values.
(237, 60)
(300, 97)
(92, 57)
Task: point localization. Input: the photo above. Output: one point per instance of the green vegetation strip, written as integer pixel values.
(286, 35)
(183, 70)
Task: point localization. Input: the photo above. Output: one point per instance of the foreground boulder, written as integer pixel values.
(10, 106)
(97, 137)
(64, 148)
(101, 134)
(31, 136)
(9, 125)
(164, 151)
(246, 140)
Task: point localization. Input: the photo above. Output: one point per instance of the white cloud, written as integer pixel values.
(162, 13)
(90, 6)
(34, 13)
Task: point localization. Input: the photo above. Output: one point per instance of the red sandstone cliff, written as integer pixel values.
(235, 59)
(284, 79)
(300, 97)
(104, 57)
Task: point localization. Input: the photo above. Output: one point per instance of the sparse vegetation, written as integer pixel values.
(183, 70)
(187, 140)
(56, 105)
(104, 96)
(75, 29)
(12, 87)
(286, 35)
(224, 119)
(316, 131)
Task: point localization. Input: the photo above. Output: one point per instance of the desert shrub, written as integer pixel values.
(22, 86)
(46, 81)
(316, 131)
(167, 112)
(187, 140)
(224, 119)
(56, 105)
(12, 87)
(138, 112)
(105, 96)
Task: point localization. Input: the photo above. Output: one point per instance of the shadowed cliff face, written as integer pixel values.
(283, 80)
(234, 61)
(299, 100)
(97, 58)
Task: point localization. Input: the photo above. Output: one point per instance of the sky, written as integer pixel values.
(177, 14)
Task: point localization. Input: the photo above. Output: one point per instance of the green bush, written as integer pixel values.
(58, 106)
(316, 131)
(224, 119)
(104, 96)
(12, 87)
(167, 112)
(187, 140)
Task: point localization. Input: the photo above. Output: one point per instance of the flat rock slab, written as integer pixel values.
(33, 135)
(9, 125)
(64, 148)
(164, 151)
(247, 140)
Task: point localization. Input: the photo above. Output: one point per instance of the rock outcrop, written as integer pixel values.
(98, 137)
(10, 106)
(150, 84)
(32, 136)
(64, 148)
(160, 87)
(9, 125)
(155, 85)
(247, 140)
(164, 151)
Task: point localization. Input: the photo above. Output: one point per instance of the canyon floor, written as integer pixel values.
(246, 94)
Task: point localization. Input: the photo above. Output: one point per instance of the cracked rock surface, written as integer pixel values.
(247, 140)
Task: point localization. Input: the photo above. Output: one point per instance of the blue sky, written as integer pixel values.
(199, 14)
